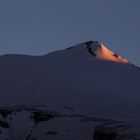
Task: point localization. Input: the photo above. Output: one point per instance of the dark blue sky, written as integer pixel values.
(39, 26)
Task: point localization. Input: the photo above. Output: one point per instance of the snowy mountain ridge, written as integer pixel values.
(100, 51)
(85, 92)
(97, 49)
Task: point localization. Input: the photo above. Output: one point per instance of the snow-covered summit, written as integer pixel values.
(100, 51)
(73, 94)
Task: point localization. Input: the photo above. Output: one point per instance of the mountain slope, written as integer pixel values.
(84, 82)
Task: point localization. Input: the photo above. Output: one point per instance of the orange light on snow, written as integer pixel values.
(105, 53)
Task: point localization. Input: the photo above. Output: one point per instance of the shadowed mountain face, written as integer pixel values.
(77, 89)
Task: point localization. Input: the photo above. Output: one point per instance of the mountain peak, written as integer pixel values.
(98, 50)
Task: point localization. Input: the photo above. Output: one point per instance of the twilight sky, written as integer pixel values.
(37, 27)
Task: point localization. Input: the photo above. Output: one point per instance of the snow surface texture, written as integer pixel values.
(85, 92)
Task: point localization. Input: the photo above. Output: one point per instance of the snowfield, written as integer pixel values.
(85, 92)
